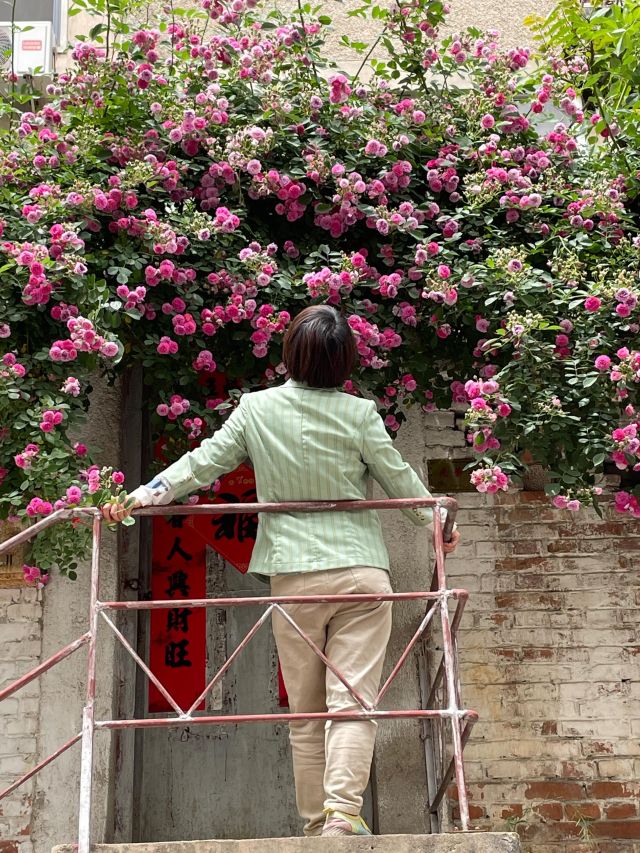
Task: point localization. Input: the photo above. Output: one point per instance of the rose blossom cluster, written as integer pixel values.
(626, 447)
(193, 426)
(574, 499)
(83, 338)
(33, 576)
(167, 270)
(406, 217)
(627, 503)
(51, 418)
(236, 310)
(177, 406)
(346, 200)
(267, 322)
(27, 457)
(71, 386)
(13, 369)
(490, 479)
(287, 190)
(133, 299)
(485, 407)
(37, 506)
(332, 286)
(369, 339)
(394, 394)
(625, 373)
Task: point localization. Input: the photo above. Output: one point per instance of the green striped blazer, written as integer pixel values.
(304, 444)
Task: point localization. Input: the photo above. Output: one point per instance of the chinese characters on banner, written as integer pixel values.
(177, 655)
(232, 536)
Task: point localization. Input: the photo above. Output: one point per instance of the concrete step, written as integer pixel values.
(459, 842)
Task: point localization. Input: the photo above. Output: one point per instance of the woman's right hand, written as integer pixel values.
(119, 509)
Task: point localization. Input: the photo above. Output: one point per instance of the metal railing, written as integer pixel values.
(437, 601)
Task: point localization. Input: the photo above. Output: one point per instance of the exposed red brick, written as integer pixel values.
(537, 654)
(598, 747)
(609, 790)
(616, 829)
(528, 581)
(507, 599)
(529, 601)
(519, 564)
(628, 544)
(505, 653)
(549, 727)
(569, 770)
(609, 847)
(554, 791)
(620, 811)
(562, 546)
(588, 811)
(551, 831)
(8, 847)
(525, 547)
(549, 811)
(533, 497)
(475, 812)
(513, 810)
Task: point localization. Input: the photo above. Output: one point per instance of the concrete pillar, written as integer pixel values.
(65, 611)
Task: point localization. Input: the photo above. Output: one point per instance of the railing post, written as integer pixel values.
(450, 671)
(88, 714)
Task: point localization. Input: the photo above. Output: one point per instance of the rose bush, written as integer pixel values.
(186, 190)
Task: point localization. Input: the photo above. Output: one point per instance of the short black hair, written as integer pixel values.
(319, 347)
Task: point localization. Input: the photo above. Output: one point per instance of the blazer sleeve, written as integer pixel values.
(387, 467)
(215, 456)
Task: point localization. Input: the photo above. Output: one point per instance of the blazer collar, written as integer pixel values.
(292, 383)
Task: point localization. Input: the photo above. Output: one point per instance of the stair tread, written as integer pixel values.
(459, 842)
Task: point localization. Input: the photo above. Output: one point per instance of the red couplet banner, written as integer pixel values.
(178, 636)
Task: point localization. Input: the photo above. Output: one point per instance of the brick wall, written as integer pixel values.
(550, 650)
(20, 645)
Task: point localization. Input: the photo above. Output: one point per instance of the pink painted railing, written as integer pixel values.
(436, 599)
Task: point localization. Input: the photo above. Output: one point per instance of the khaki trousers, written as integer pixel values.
(332, 760)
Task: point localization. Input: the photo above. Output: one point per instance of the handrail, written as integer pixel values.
(460, 719)
(450, 504)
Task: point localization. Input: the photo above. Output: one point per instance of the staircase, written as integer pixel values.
(459, 842)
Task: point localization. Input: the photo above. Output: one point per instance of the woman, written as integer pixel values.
(308, 441)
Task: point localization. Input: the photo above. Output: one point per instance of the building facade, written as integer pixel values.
(549, 658)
